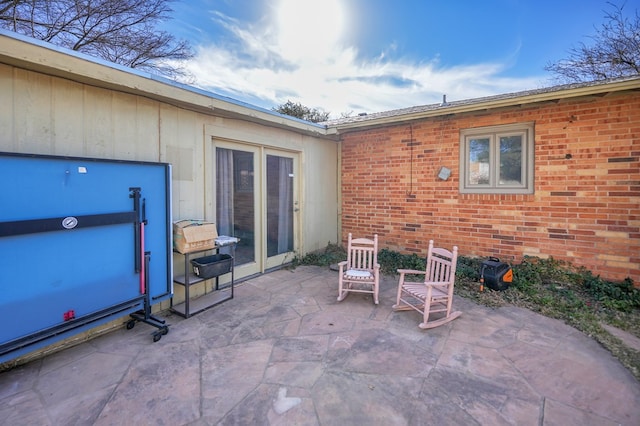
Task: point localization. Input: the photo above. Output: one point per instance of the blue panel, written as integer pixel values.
(88, 270)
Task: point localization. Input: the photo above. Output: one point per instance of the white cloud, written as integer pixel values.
(258, 66)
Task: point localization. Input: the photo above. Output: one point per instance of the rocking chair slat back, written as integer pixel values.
(434, 295)
(360, 273)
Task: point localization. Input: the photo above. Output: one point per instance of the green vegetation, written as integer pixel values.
(550, 287)
(331, 254)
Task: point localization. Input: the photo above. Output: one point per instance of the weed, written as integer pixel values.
(574, 295)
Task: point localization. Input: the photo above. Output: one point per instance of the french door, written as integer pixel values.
(256, 201)
(281, 206)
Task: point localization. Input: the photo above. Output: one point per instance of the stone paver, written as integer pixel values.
(285, 352)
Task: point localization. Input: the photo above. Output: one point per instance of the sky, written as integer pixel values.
(348, 57)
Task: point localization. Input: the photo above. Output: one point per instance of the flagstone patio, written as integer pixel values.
(285, 352)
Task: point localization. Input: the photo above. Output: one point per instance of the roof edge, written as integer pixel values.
(36, 55)
(550, 94)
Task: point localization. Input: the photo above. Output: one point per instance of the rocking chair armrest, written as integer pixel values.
(436, 284)
(410, 271)
(341, 265)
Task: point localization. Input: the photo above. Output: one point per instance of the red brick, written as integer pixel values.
(390, 186)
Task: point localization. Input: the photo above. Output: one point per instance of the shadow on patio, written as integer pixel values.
(284, 351)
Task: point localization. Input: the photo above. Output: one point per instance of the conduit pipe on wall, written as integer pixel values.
(410, 191)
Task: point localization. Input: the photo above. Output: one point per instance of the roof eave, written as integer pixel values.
(495, 103)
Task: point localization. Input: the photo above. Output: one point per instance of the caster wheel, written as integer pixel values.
(156, 337)
(164, 331)
(131, 324)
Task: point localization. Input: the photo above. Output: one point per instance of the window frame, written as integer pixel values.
(493, 133)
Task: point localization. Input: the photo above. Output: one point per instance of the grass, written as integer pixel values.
(550, 287)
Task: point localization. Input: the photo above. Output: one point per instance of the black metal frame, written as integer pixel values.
(187, 281)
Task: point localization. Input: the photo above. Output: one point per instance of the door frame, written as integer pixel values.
(261, 263)
(280, 259)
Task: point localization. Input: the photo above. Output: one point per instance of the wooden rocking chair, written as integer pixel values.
(360, 273)
(435, 293)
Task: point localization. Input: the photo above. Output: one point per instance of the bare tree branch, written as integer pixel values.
(120, 31)
(614, 51)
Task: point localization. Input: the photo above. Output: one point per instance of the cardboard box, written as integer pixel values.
(194, 235)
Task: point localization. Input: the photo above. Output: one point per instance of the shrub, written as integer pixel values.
(331, 254)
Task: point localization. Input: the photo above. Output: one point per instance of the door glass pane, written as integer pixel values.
(279, 205)
(479, 161)
(235, 204)
(511, 160)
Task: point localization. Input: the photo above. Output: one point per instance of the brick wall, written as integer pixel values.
(586, 205)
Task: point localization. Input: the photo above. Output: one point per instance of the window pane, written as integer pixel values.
(497, 159)
(479, 161)
(511, 160)
(235, 200)
(279, 205)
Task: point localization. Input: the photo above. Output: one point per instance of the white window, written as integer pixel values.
(497, 159)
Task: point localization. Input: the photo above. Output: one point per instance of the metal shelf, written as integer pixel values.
(187, 279)
(202, 303)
